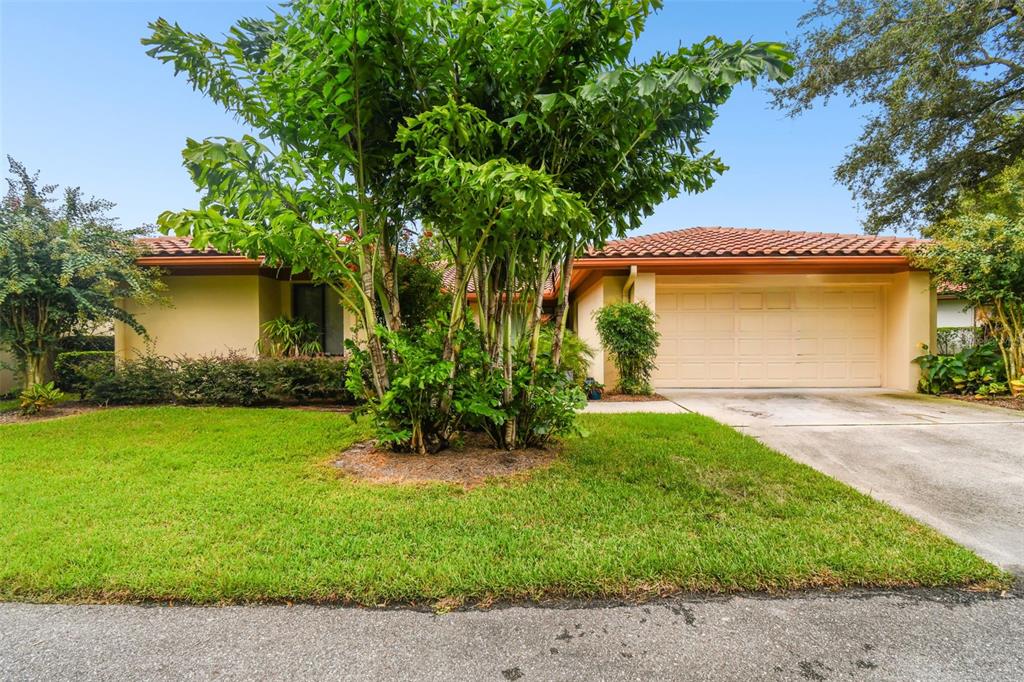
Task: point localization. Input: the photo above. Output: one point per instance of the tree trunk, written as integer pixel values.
(38, 369)
(562, 308)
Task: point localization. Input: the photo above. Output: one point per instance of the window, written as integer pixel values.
(321, 306)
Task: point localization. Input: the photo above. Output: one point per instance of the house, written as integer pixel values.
(954, 312)
(736, 307)
(8, 381)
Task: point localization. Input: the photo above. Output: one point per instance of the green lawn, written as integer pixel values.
(216, 505)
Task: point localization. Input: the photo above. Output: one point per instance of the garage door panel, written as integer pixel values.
(800, 336)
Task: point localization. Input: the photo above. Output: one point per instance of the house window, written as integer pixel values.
(321, 306)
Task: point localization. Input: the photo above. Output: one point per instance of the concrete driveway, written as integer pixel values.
(956, 466)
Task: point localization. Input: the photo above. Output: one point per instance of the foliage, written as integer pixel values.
(977, 370)
(62, 266)
(289, 337)
(75, 371)
(38, 398)
(649, 501)
(220, 380)
(629, 332)
(147, 380)
(950, 340)
(943, 86)
(979, 248)
(514, 133)
(576, 353)
(421, 292)
(86, 342)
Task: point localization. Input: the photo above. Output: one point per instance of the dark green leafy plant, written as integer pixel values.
(75, 371)
(976, 370)
(629, 332)
(147, 380)
(38, 398)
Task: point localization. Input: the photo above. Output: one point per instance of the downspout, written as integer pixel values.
(627, 288)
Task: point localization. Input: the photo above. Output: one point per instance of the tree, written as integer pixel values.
(63, 265)
(980, 249)
(517, 133)
(943, 82)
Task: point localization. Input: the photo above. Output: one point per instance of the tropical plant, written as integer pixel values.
(63, 266)
(515, 133)
(943, 85)
(629, 332)
(38, 398)
(289, 337)
(976, 370)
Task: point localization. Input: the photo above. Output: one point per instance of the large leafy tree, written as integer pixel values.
(517, 132)
(979, 248)
(943, 85)
(64, 266)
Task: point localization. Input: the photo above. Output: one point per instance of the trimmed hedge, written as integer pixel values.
(222, 380)
(75, 371)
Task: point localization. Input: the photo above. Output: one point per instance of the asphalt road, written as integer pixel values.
(918, 635)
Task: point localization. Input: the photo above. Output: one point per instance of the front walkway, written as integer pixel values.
(956, 466)
(923, 635)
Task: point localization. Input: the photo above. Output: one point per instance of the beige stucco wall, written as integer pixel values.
(209, 314)
(909, 312)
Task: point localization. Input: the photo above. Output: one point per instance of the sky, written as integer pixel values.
(82, 102)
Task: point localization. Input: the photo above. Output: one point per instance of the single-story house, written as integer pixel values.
(736, 307)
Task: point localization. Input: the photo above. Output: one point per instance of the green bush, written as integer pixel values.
(75, 371)
(85, 342)
(39, 398)
(629, 332)
(148, 380)
(220, 380)
(976, 370)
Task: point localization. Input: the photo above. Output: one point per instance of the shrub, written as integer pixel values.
(75, 371)
(230, 380)
(977, 370)
(421, 294)
(85, 342)
(38, 398)
(303, 379)
(220, 380)
(628, 331)
(148, 380)
(576, 354)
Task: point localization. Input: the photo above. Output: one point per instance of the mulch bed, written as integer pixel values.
(469, 465)
(623, 398)
(56, 412)
(1006, 401)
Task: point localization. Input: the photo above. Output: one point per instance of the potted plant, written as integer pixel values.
(1017, 387)
(593, 388)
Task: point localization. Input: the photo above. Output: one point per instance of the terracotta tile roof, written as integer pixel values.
(448, 282)
(709, 242)
(175, 246)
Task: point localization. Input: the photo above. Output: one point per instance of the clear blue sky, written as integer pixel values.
(81, 101)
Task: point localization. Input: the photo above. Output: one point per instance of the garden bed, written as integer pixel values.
(469, 465)
(625, 398)
(1005, 401)
(219, 505)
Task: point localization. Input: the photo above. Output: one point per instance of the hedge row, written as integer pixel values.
(216, 380)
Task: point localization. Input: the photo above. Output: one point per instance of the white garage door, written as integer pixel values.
(795, 336)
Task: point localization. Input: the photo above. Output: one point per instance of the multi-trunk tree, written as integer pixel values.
(516, 133)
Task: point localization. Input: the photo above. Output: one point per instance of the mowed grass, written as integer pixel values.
(219, 505)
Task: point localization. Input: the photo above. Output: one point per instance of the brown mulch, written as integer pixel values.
(1005, 401)
(469, 465)
(60, 411)
(623, 398)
